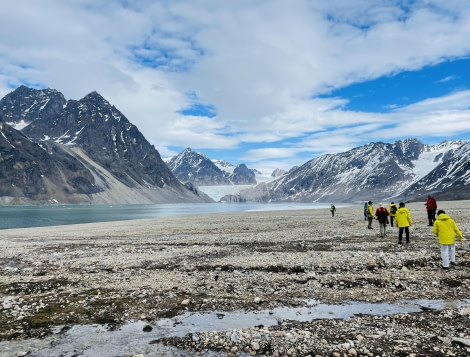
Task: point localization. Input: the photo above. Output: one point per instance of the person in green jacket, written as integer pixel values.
(404, 221)
(445, 228)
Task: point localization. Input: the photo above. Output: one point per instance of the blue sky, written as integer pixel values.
(271, 84)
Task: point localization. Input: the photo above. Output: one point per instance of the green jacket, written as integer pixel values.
(446, 229)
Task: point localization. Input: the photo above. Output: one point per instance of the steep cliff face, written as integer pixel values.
(25, 105)
(30, 172)
(108, 152)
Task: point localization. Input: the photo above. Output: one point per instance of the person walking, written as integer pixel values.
(431, 207)
(332, 210)
(382, 216)
(445, 228)
(392, 208)
(370, 214)
(404, 221)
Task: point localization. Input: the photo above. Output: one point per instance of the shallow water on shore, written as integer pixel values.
(130, 339)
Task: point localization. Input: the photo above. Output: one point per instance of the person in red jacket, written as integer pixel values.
(382, 216)
(431, 207)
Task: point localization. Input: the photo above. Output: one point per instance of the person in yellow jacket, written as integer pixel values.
(392, 209)
(445, 228)
(404, 221)
(370, 214)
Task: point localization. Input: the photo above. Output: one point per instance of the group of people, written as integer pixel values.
(443, 226)
(401, 214)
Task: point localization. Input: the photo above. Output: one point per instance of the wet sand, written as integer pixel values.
(111, 273)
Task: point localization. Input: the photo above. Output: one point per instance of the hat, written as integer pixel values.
(370, 202)
(381, 204)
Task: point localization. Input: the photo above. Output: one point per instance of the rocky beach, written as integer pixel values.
(255, 263)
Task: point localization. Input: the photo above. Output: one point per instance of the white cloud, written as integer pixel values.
(260, 64)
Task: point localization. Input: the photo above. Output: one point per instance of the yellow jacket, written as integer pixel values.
(390, 209)
(403, 217)
(446, 229)
(370, 211)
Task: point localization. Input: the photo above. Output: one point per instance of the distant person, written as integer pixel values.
(365, 211)
(370, 214)
(392, 208)
(382, 216)
(431, 207)
(404, 221)
(332, 210)
(446, 229)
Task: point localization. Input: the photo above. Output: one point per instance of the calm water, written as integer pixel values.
(130, 339)
(38, 216)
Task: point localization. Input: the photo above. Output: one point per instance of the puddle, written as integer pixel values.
(130, 339)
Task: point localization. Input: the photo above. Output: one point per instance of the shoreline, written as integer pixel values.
(60, 215)
(155, 268)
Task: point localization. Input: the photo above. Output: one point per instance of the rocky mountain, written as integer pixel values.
(376, 171)
(198, 169)
(29, 171)
(88, 150)
(25, 105)
(449, 180)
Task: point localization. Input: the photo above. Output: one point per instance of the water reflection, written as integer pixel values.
(130, 339)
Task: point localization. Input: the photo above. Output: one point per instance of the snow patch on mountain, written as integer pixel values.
(432, 157)
(18, 126)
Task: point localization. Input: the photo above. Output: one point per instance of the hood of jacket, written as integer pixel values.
(443, 217)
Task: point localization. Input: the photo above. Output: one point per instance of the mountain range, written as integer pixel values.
(54, 150)
(405, 170)
(198, 169)
(86, 151)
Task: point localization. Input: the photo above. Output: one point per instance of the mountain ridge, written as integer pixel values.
(198, 169)
(378, 171)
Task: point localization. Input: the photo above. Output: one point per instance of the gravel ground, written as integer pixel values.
(148, 270)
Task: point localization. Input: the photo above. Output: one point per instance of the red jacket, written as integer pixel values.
(431, 203)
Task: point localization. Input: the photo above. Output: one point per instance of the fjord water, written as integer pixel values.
(56, 215)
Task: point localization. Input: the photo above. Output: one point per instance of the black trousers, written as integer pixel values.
(431, 216)
(391, 220)
(407, 233)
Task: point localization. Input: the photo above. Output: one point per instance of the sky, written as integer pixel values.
(271, 84)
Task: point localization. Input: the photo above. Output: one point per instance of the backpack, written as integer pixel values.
(393, 209)
(382, 215)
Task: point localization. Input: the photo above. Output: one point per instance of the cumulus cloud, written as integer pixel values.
(265, 67)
